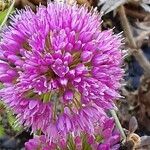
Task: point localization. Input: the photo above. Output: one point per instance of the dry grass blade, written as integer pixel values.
(144, 143)
(146, 7)
(143, 25)
(145, 140)
(146, 1)
(142, 36)
(111, 5)
(138, 54)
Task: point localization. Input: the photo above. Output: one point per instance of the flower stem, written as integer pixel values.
(7, 15)
(114, 115)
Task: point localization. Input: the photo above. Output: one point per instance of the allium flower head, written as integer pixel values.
(59, 70)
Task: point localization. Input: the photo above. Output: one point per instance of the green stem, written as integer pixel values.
(47, 97)
(7, 15)
(55, 98)
(55, 110)
(114, 115)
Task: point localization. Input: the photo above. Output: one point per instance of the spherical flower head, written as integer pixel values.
(59, 70)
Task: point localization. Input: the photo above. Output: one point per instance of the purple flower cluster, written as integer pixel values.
(59, 71)
(105, 138)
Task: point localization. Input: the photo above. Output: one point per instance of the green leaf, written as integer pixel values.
(99, 138)
(71, 144)
(1, 85)
(85, 144)
(2, 130)
(3, 15)
(11, 120)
